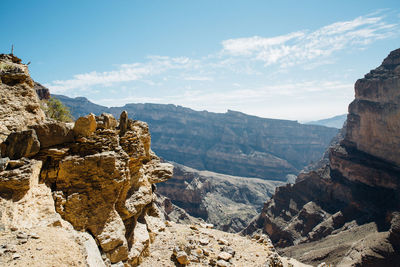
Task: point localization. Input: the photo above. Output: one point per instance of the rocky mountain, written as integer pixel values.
(347, 213)
(231, 143)
(227, 202)
(335, 122)
(87, 186)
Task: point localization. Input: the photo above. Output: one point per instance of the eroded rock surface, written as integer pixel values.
(19, 103)
(90, 179)
(346, 212)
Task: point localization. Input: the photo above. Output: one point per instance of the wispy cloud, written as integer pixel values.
(124, 73)
(246, 73)
(305, 46)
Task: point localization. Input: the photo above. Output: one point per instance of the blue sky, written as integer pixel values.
(279, 59)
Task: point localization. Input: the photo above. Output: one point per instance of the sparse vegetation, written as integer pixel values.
(55, 109)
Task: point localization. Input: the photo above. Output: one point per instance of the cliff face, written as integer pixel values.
(227, 202)
(231, 143)
(347, 212)
(19, 104)
(94, 179)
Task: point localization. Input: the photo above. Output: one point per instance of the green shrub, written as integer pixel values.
(55, 109)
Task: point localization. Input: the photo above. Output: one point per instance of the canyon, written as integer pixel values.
(230, 143)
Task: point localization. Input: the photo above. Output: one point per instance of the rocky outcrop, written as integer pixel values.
(346, 212)
(227, 202)
(232, 143)
(19, 104)
(89, 178)
(42, 92)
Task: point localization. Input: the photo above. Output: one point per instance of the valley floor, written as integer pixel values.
(209, 247)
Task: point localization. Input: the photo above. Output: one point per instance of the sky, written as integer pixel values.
(294, 60)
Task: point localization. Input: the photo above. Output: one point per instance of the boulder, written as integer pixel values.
(85, 126)
(19, 178)
(20, 144)
(106, 121)
(53, 133)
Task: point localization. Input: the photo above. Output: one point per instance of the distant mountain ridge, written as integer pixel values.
(231, 143)
(335, 122)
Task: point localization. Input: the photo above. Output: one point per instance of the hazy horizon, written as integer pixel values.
(286, 60)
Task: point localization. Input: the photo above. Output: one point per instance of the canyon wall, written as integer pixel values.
(231, 143)
(347, 212)
(227, 202)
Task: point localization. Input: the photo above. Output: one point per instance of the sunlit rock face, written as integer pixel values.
(19, 103)
(93, 179)
(373, 123)
(347, 211)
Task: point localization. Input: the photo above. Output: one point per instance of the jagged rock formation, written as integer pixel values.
(89, 178)
(42, 92)
(347, 212)
(17, 97)
(231, 143)
(227, 202)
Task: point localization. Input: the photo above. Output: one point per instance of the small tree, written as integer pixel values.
(55, 109)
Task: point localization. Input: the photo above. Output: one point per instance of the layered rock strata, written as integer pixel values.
(227, 202)
(19, 103)
(231, 143)
(346, 213)
(90, 178)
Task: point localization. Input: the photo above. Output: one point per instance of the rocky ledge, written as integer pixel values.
(348, 211)
(93, 179)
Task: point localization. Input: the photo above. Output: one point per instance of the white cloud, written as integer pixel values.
(250, 74)
(303, 46)
(198, 78)
(124, 73)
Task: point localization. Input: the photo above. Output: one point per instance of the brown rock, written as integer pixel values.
(42, 92)
(85, 126)
(19, 103)
(374, 116)
(20, 144)
(182, 258)
(106, 121)
(14, 183)
(12, 72)
(53, 133)
(123, 123)
(224, 256)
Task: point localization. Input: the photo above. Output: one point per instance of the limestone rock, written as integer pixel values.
(85, 126)
(224, 256)
(123, 123)
(19, 103)
(51, 133)
(106, 121)
(20, 144)
(12, 72)
(15, 182)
